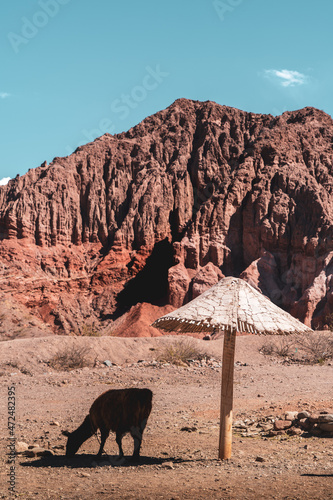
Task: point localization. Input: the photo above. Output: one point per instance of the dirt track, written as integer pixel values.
(175, 464)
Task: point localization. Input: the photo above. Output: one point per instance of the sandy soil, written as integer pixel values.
(175, 464)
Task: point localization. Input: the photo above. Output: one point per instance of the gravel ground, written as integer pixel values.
(175, 463)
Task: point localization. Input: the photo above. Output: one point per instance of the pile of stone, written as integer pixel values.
(292, 423)
(299, 423)
(190, 363)
(35, 450)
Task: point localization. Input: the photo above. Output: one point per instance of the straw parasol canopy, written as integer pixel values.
(230, 306)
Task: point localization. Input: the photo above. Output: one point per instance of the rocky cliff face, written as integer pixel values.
(160, 212)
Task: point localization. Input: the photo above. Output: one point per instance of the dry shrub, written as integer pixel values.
(181, 351)
(309, 348)
(89, 331)
(12, 364)
(316, 347)
(281, 346)
(70, 359)
(329, 321)
(17, 366)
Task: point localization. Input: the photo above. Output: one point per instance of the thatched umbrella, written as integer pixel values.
(230, 306)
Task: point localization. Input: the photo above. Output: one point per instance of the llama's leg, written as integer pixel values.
(119, 437)
(104, 436)
(136, 434)
(143, 425)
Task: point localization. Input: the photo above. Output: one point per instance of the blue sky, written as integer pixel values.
(72, 70)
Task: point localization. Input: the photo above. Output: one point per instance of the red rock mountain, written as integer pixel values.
(159, 213)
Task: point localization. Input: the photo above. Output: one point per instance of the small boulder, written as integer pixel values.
(266, 427)
(167, 465)
(303, 414)
(326, 426)
(294, 431)
(84, 474)
(305, 424)
(239, 424)
(316, 432)
(58, 447)
(21, 446)
(291, 415)
(313, 418)
(282, 425)
(325, 418)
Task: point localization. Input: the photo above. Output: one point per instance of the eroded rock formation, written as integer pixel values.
(192, 192)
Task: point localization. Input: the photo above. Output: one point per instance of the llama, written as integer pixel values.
(119, 411)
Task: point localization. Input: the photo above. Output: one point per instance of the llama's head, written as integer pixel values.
(73, 443)
(77, 437)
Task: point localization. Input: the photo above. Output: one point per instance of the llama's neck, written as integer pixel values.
(84, 431)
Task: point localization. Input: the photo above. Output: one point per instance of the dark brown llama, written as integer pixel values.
(119, 411)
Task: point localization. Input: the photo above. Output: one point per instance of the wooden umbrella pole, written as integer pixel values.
(227, 395)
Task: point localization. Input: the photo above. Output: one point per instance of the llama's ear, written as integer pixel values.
(66, 433)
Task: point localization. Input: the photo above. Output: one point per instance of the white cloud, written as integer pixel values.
(4, 181)
(4, 95)
(286, 77)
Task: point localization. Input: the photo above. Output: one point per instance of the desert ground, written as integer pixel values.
(180, 444)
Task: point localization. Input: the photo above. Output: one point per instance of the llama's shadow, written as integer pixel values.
(316, 475)
(91, 461)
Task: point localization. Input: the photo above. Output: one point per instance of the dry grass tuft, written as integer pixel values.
(70, 359)
(181, 352)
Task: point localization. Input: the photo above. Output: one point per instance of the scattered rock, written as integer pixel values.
(305, 424)
(281, 425)
(303, 414)
(291, 415)
(37, 452)
(313, 418)
(327, 427)
(167, 465)
(325, 418)
(239, 424)
(315, 431)
(266, 427)
(294, 431)
(21, 446)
